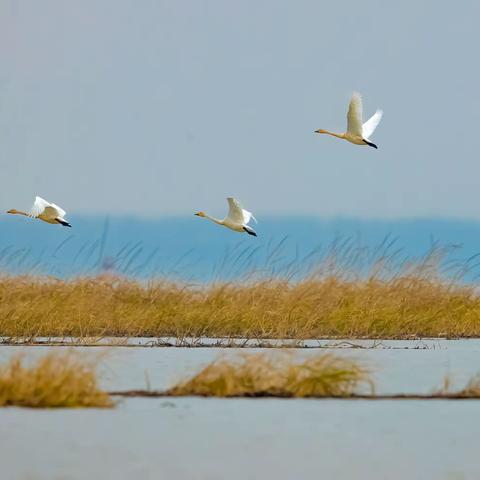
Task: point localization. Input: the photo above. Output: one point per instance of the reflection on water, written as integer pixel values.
(189, 438)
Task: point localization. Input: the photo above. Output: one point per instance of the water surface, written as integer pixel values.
(185, 438)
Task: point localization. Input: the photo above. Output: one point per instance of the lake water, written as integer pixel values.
(199, 438)
(191, 249)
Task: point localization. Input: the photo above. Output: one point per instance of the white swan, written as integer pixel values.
(237, 218)
(356, 132)
(46, 211)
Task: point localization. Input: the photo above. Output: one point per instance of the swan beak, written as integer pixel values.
(318, 131)
(197, 214)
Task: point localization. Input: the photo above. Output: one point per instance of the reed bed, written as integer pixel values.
(277, 375)
(339, 298)
(405, 307)
(56, 380)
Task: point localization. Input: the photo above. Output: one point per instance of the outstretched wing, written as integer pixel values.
(371, 124)
(236, 213)
(61, 212)
(41, 206)
(354, 115)
(248, 216)
(38, 207)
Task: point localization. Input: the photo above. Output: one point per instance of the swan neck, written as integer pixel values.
(18, 212)
(333, 134)
(213, 219)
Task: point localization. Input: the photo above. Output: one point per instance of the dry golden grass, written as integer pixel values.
(470, 390)
(56, 380)
(277, 375)
(389, 301)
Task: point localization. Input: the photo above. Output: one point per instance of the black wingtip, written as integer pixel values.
(250, 231)
(370, 144)
(64, 223)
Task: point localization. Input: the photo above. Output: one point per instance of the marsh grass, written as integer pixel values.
(279, 375)
(282, 375)
(470, 390)
(340, 298)
(56, 380)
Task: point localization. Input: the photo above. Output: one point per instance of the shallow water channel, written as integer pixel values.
(195, 438)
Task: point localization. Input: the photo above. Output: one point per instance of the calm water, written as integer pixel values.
(250, 439)
(244, 439)
(192, 249)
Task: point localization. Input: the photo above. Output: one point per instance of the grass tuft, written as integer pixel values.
(277, 375)
(56, 380)
(470, 390)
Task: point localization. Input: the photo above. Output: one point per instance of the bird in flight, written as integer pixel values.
(357, 132)
(46, 211)
(237, 218)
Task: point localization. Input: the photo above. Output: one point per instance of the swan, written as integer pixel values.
(46, 211)
(237, 218)
(356, 132)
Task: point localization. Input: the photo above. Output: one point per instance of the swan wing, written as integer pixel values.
(235, 212)
(371, 124)
(60, 211)
(354, 115)
(38, 207)
(247, 216)
(41, 206)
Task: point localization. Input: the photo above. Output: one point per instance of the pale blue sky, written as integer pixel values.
(167, 107)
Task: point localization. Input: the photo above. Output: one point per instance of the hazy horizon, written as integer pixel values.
(196, 249)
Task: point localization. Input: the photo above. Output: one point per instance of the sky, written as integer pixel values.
(161, 108)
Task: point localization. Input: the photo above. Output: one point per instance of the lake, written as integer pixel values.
(184, 438)
(190, 249)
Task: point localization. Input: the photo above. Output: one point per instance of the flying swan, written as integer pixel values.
(356, 132)
(237, 218)
(46, 211)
